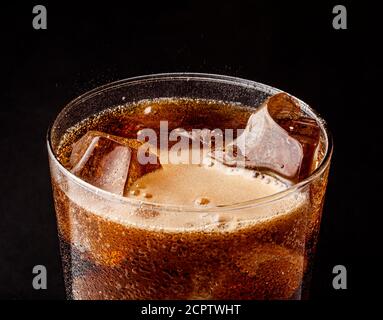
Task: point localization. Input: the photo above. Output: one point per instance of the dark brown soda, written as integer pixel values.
(264, 260)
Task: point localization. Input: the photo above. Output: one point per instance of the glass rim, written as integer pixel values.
(200, 77)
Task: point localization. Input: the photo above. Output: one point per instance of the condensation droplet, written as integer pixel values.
(202, 201)
(140, 185)
(135, 192)
(148, 110)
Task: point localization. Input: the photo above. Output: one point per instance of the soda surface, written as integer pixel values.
(197, 244)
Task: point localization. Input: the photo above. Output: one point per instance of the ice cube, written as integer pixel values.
(194, 145)
(283, 106)
(200, 137)
(286, 111)
(108, 162)
(277, 138)
(265, 145)
(307, 132)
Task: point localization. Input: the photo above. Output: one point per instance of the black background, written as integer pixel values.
(289, 45)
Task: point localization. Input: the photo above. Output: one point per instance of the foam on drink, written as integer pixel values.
(185, 184)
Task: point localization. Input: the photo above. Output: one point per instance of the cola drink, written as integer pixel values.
(137, 220)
